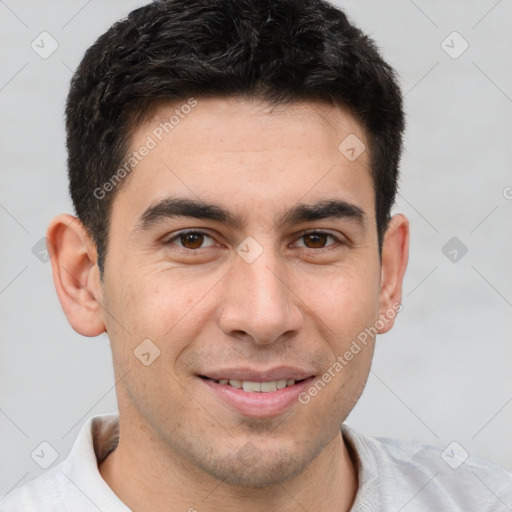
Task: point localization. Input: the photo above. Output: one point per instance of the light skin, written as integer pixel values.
(295, 308)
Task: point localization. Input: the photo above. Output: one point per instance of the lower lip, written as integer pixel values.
(258, 404)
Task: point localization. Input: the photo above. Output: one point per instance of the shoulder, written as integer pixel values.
(75, 483)
(42, 494)
(426, 477)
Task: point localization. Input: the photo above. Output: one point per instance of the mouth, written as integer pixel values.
(255, 387)
(256, 394)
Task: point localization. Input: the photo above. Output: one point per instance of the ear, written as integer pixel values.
(395, 254)
(76, 274)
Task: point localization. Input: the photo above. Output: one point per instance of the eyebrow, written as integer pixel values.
(183, 207)
(322, 210)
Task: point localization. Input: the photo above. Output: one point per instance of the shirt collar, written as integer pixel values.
(96, 439)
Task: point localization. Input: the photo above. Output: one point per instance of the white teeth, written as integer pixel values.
(251, 386)
(235, 383)
(268, 386)
(257, 387)
(281, 384)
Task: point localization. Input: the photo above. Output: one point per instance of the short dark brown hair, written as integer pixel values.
(278, 50)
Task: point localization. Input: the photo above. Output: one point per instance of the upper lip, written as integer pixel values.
(258, 375)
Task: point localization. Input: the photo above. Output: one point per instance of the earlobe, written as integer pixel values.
(395, 254)
(75, 274)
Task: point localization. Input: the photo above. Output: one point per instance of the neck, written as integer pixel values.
(147, 480)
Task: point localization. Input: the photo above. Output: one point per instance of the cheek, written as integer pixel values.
(351, 308)
(152, 320)
(165, 307)
(344, 302)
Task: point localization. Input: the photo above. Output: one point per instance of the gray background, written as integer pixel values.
(444, 371)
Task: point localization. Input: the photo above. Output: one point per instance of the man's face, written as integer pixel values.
(222, 308)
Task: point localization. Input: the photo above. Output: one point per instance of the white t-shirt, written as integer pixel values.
(393, 476)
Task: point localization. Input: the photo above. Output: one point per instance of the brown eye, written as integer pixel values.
(315, 240)
(192, 240)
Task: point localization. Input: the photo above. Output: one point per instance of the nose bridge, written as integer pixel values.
(267, 287)
(258, 300)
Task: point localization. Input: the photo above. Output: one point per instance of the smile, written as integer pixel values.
(256, 387)
(257, 395)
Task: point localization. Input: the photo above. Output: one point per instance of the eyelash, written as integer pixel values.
(302, 235)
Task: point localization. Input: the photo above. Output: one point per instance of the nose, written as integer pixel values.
(258, 303)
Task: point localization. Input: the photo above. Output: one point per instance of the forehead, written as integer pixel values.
(248, 155)
(236, 122)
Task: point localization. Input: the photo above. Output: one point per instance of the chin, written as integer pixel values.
(267, 471)
(256, 465)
